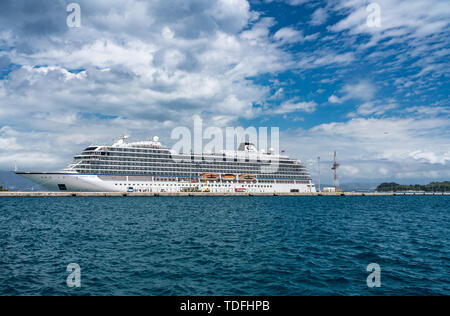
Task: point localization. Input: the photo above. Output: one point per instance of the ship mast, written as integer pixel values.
(334, 168)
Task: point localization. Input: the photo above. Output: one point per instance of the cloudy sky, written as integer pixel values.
(315, 69)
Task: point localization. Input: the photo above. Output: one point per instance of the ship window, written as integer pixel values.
(62, 187)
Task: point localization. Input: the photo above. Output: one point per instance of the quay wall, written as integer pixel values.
(167, 194)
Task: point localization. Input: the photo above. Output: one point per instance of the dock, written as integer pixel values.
(200, 194)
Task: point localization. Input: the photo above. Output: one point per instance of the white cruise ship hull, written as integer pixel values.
(61, 181)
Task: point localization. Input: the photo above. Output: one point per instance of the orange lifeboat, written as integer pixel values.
(229, 177)
(247, 177)
(209, 176)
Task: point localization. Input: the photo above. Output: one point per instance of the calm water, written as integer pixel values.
(225, 245)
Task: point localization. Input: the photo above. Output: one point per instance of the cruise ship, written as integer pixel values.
(148, 166)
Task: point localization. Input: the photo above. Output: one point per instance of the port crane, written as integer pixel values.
(335, 168)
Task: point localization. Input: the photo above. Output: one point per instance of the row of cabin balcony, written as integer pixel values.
(142, 159)
(217, 170)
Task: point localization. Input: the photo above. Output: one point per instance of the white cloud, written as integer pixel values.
(431, 157)
(362, 90)
(288, 35)
(334, 99)
(293, 106)
(370, 108)
(135, 68)
(297, 2)
(8, 140)
(429, 110)
(319, 17)
(290, 2)
(377, 149)
(419, 17)
(416, 25)
(324, 58)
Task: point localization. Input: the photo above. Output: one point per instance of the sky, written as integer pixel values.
(324, 72)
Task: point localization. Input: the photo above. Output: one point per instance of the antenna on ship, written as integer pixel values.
(15, 166)
(334, 168)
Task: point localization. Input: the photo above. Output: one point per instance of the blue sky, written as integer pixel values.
(315, 69)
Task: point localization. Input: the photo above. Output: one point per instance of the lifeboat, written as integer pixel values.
(229, 177)
(240, 190)
(247, 177)
(209, 176)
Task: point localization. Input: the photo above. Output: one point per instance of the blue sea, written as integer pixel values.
(225, 245)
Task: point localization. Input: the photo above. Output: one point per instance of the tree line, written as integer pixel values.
(431, 187)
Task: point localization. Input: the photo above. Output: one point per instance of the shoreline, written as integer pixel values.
(200, 194)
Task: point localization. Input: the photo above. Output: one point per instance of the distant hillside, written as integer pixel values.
(9, 180)
(432, 187)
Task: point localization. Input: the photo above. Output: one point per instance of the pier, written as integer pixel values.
(200, 194)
